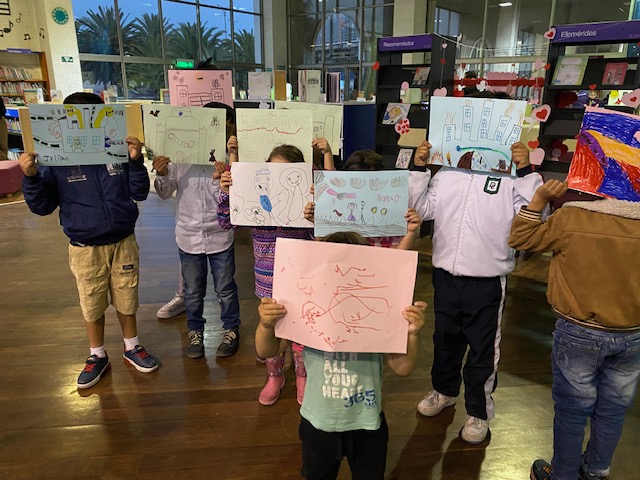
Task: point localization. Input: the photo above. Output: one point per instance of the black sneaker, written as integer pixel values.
(196, 344)
(590, 476)
(540, 470)
(230, 343)
(93, 370)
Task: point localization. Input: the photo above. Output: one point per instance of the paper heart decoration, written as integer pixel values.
(547, 66)
(536, 157)
(541, 114)
(403, 126)
(482, 86)
(550, 34)
(440, 92)
(405, 86)
(632, 99)
(636, 136)
(375, 66)
(533, 144)
(445, 45)
(555, 153)
(566, 98)
(593, 86)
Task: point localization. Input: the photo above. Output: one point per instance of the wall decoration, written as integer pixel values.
(327, 120)
(344, 298)
(197, 87)
(60, 15)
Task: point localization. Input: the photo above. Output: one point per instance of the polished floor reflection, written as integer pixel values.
(196, 419)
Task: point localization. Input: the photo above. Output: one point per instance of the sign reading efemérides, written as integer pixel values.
(79, 134)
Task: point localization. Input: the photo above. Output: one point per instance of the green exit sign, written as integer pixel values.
(184, 63)
(67, 59)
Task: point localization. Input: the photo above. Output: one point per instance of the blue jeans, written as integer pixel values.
(595, 375)
(194, 272)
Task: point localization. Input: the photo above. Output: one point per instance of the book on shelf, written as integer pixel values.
(421, 77)
(614, 73)
(30, 96)
(569, 70)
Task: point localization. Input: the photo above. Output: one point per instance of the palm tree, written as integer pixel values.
(245, 46)
(182, 42)
(212, 44)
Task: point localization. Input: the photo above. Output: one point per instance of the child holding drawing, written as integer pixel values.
(264, 244)
(328, 431)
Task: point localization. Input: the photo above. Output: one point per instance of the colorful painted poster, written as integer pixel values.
(475, 133)
(79, 134)
(198, 87)
(270, 194)
(344, 298)
(372, 204)
(327, 120)
(260, 131)
(185, 134)
(606, 161)
(395, 112)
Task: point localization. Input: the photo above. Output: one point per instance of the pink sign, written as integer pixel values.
(342, 297)
(196, 88)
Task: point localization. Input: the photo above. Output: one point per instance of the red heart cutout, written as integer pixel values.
(375, 66)
(592, 86)
(443, 61)
(547, 66)
(633, 99)
(541, 115)
(533, 144)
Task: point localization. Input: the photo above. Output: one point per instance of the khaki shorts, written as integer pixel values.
(106, 271)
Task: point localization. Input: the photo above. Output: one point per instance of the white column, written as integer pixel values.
(274, 21)
(410, 18)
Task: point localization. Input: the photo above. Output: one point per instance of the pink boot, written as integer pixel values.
(275, 380)
(301, 372)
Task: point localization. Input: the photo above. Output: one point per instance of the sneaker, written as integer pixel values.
(540, 470)
(173, 307)
(475, 430)
(230, 343)
(196, 344)
(591, 476)
(140, 359)
(92, 371)
(434, 402)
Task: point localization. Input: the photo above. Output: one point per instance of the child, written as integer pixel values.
(472, 213)
(328, 430)
(264, 245)
(98, 213)
(596, 344)
(201, 241)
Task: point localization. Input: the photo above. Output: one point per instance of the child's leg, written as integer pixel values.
(194, 272)
(275, 380)
(223, 269)
(617, 387)
(322, 452)
(367, 452)
(301, 372)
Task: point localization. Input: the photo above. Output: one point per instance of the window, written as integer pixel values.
(447, 22)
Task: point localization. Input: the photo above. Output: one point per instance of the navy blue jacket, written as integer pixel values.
(97, 202)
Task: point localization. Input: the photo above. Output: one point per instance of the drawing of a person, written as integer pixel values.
(290, 202)
(362, 220)
(351, 207)
(392, 115)
(262, 183)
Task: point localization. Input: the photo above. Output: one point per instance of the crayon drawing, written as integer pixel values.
(344, 298)
(260, 131)
(606, 161)
(475, 133)
(395, 112)
(198, 87)
(270, 194)
(372, 204)
(79, 134)
(185, 134)
(327, 120)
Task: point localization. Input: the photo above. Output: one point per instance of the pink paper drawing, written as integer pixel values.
(198, 87)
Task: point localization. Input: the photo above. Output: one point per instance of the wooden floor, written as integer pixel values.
(197, 419)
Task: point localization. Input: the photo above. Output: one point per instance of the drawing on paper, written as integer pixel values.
(475, 133)
(395, 112)
(404, 157)
(343, 297)
(372, 204)
(79, 134)
(270, 194)
(198, 87)
(260, 131)
(327, 120)
(606, 161)
(184, 134)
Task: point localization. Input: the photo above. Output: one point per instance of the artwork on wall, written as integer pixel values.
(260, 131)
(327, 120)
(395, 112)
(344, 298)
(372, 204)
(475, 133)
(198, 87)
(270, 194)
(606, 161)
(185, 134)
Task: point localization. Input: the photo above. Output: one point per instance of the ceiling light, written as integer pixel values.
(505, 4)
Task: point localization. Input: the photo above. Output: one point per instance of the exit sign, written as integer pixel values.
(184, 63)
(67, 59)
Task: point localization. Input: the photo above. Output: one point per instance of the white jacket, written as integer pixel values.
(472, 213)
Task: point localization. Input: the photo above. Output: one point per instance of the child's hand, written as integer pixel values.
(415, 316)
(422, 154)
(220, 168)
(27, 163)
(225, 181)
(413, 220)
(161, 165)
(270, 312)
(322, 144)
(309, 211)
(232, 144)
(520, 155)
(134, 147)
(550, 190)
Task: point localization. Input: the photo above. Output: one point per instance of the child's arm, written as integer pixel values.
(421, 191)
(310, 207)
(39, 188)
(413, 229)
(139, 183)
(224, 210)
(520, 156)
(403, 364)
(165, 182)
(267, 344)
(327, 155)
(232, 148)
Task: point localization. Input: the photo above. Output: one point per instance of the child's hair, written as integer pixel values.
(288, 152)
(231, 114)
(364, 160)
(352, 238)
(82, 98)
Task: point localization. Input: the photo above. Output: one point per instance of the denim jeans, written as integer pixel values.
(194, 272)
(595, 376)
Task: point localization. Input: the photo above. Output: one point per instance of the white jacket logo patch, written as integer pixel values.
(492, 185)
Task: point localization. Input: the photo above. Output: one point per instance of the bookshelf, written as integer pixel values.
(19, 71)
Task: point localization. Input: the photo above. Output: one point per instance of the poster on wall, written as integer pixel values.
(196, 88)
(327, 120)
(79, 134)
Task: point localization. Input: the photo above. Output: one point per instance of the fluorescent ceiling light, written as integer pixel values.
(505, 4)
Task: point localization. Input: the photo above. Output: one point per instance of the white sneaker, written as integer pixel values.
(173, 307)
(475, 430)
(434, 402)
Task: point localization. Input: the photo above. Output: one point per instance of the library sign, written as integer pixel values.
(405, 44)
(597, 32)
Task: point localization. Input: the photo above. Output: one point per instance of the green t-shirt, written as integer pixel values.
(344, 390)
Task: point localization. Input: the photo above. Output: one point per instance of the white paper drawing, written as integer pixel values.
(404, 157)
(185, 134)
(475, 133)
(79, 134)
(327, 120)
(270, 194)
(260, 131)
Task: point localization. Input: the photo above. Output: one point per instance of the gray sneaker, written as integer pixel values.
(230, 343)
(196, 344)
(434, 402)
(173, 307)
